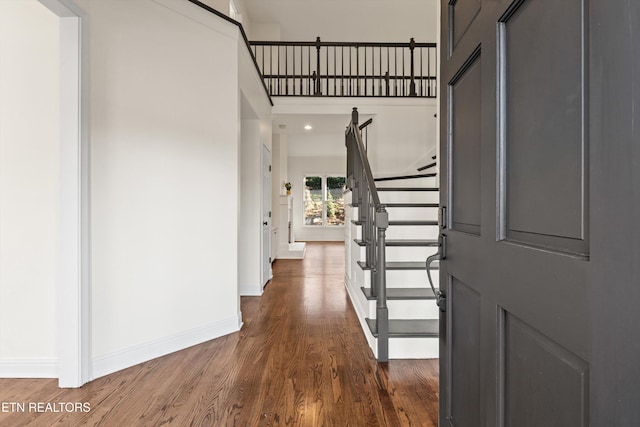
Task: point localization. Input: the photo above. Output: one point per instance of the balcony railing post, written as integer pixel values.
(386, 79)
(317, 91)
(412, 86)
(382, 312)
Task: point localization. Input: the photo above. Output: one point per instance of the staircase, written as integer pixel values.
(411, 204)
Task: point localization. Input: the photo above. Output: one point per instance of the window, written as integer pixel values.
(323, 200)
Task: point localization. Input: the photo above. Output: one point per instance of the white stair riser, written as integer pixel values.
(407, 348)
(409, 196)
(396, 232)
(403, 253)
(402, 278)
(423, 214)
(408, 309)
(356, 232)
(414, 348)
(411, 183)
(418, 253)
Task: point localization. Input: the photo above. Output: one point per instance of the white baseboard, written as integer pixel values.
(125, 358)
(28, 368)
(250, 290)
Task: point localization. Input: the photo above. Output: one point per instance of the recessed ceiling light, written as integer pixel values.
(308, 127)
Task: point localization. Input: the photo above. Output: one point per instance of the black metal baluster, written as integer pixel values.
(350, 73)
(395, 74)
(365, 70)
(429, 72)
(421, 73)
(309, 70)
(373, 71)
(380, 71)
(335, 64)
(317, 81)
(327, 69)
(403, 75)
(358, 70)
(387, 73)
(342, 73)
(412, 86)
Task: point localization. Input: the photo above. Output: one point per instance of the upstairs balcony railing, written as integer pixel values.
(341, 69)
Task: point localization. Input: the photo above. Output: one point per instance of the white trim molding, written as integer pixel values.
(127, 357)
(28, 368)
(74, 315)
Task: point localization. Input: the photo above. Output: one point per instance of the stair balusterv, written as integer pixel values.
(411, 236)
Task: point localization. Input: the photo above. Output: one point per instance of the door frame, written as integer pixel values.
(266, 195)
(73, 293)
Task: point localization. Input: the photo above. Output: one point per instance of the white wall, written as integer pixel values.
(249, 230)
(164, 161)
(279, 176)
(255, 132)
(29, 187)
(319, 166)
(267, 31)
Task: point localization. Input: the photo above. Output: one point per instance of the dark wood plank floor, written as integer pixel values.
(300, 359)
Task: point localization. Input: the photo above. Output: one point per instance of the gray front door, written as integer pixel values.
(540, 177)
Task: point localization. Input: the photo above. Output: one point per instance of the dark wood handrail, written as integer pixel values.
(354, 130)
(339, 44)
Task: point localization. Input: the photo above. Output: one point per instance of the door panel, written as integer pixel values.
(464, 349)
(544, 137)
(464, 146)
(462, 14)
(543, 383)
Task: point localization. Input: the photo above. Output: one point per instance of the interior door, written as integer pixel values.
(266, 215)
(539, 160)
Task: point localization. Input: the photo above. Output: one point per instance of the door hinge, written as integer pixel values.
(442, 217)
(269, 168)
(269, 260)
(269, 214)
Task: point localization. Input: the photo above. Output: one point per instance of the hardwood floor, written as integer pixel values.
(300, 359)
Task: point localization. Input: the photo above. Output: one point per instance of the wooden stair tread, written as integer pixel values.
(404, 328)
(401, 177)
(411, 205)
(401, 265)
(402, 223)
(430, 165)
(408, 189)
(403, 294)
(413, 222)
(404, 242)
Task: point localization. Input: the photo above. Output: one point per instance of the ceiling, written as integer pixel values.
(347, 20)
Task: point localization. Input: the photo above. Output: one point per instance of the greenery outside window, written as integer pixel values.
(323, 200)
